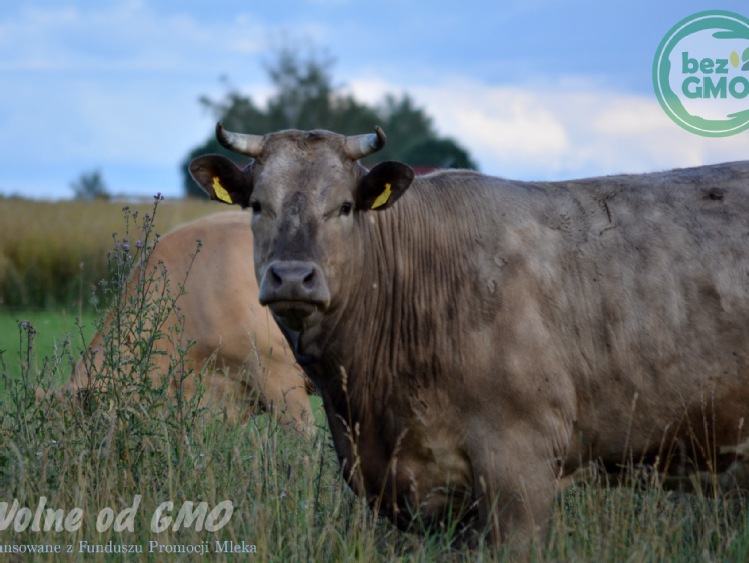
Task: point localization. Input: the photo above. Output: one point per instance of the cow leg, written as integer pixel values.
(224, 393)
(281, 389)
(285, 395)
(515, 484)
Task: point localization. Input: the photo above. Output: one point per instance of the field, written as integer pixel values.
(110, 466)
(52, 254)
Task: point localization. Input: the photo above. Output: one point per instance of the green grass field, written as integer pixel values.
(57, 331)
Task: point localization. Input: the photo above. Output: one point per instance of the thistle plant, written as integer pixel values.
(132, 394)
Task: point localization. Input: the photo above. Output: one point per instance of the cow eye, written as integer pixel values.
(346, 208)
(255, 206)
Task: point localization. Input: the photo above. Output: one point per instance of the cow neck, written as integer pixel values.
(391, 334)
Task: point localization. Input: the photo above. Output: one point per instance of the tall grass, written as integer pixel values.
(129, 447)
(52, 253)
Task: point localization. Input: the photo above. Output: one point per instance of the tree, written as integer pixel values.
(90, 186)
(306, 98)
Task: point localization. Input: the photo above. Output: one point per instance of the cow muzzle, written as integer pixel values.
(294, 290)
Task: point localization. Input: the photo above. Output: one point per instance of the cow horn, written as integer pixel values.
(359, 146)
(250, 145)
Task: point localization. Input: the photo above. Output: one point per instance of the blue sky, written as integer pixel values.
(537, 89)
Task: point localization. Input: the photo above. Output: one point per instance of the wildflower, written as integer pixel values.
(138, 244)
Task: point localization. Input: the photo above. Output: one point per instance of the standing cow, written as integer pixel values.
(240, 349)
(474, 339)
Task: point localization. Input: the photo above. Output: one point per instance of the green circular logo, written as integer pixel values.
(701, 73)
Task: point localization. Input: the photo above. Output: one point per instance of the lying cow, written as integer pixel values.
(240, 349)
(475, 339)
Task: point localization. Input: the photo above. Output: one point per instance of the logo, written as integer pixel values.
(701, 73)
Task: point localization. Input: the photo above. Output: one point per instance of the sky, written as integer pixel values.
(534, 89)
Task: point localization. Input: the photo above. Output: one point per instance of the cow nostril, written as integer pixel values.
(276, 278)
(309, 279)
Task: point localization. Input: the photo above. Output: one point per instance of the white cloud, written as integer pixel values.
(507, 119)
(575, 129)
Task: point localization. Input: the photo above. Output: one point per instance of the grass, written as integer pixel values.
(57, 335)
(52, 253)
(110, 465)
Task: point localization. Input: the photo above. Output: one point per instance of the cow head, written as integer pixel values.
(307, 193)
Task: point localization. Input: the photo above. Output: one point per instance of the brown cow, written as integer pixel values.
(474, 339)
(240, 349)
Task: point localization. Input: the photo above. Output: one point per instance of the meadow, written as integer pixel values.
(134, 468)
(53, 253)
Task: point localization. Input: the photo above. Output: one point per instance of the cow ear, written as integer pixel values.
(383, 185)
(222, 180)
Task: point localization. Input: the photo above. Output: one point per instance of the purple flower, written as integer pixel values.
(138, 244)
(126, 247)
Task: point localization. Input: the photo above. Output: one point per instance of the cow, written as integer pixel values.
(476, 339)
(242, 354)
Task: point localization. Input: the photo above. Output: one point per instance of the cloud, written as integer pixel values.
(573, 129)
(508, 120)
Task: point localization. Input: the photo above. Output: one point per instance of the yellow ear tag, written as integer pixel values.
(383, 198)
(220, 192)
